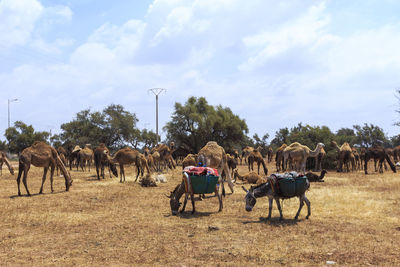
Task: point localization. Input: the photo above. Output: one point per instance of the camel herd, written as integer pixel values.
(160, 158)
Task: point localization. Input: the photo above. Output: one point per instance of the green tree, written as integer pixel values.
(346, 135)
(3, 146)
(148, 138)
(114, 126)
(371, 135)
(197, 122)
(22, 136)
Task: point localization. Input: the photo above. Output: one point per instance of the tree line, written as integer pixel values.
(191, 126)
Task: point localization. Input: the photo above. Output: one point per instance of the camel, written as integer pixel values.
(180, 153)
(101, 160)
(315, 178)
(345, 156)
(245, 153)
(3, 158)
(357, 158)
(62, 153)
(212, 155)
(43, 155)
(232, 162)
(270, 153)
(299, 154)
(319, 159)
(128, 156)
(73, 156)
(165, 157)
(396, 153)
(249, 178)
(85, 156)
(255, 156)
(189, 160)
(279, 157)
(380, 154)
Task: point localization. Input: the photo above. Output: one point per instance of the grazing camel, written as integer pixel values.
(255, 156)
(312, 177)
(378, 153)
(43, 155)
(3, 158)
(299, 154)
(279, 158)
(85, 156)
(249, 178)
(345, 156)
(73, 157)
(245, 153)
(101, 160)
(128, 156)
(212, 155)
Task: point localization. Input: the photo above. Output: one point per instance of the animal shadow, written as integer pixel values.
(275, 221)
(37, 194)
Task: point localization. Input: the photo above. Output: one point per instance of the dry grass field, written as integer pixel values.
(355, 221)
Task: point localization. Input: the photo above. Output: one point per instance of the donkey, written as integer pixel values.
(266, 190)
(177, 194)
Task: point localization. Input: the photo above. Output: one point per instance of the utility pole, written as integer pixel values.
(157, 92)
(9, 101)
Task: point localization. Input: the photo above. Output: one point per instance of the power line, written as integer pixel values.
(157, 92)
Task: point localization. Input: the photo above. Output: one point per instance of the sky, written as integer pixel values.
(274, 63)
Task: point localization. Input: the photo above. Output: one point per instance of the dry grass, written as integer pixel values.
(354, 221)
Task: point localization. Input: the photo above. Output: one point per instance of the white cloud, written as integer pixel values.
(17, 21)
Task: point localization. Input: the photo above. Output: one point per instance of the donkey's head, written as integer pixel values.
(250, 198)
(174, 199)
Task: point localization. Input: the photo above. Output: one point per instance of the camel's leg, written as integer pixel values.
(122, 172)
(20, 170)
(271, 202)
(43, 178)
(228, 176)
(279, 208)
(51, 177)
(219, 199)
(258, 166)
(184, 202)
(24, 179)
(138, 171)
(102, 170)
(301, 199)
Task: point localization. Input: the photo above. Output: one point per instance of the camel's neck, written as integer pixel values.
(336, 146)
(240, 177)
(10, 168)
(315, 152)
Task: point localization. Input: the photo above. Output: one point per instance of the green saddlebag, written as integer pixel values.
(291, 187)
(203, 184)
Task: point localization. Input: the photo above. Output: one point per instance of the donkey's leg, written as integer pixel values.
(43, 179)
(308, 203)
(271, 202)
(184, 202)
(192, 199)
(279, 208)
(301, 199)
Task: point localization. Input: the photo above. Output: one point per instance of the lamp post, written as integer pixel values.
(156, 92)
(9, 101)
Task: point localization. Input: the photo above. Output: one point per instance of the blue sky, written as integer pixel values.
(274, 63)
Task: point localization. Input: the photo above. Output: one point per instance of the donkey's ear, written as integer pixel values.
(167, 196)
(245, 190)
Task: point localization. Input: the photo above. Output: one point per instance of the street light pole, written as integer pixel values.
(9, 101)
(156, 92)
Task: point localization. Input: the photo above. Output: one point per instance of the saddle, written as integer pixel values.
(289, 184)
(200, 180)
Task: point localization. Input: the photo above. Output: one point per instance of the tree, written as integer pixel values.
(3, 146)
(195, 123)
(22, 136)
(114, 126)
(148, 138)
(371, 135)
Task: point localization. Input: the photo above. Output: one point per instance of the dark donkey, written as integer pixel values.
(266, 190)
(177, 194)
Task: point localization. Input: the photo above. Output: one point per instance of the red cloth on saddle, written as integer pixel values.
(191, 170)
